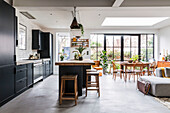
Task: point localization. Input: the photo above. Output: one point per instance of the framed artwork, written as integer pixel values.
(22, 37)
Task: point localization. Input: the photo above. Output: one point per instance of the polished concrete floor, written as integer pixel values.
(116, 97)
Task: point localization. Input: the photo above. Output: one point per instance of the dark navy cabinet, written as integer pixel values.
(29, 75)
(6, 83)
(47, 45)
(23, 77)
(7, 52)
(36, 40)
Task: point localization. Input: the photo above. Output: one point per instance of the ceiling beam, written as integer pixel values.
(117, 3)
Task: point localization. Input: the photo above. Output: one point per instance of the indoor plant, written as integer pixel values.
(62, 55)
(103, 61)
(135, 58)
(80, 50)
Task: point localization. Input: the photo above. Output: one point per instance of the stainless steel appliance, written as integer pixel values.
(38, 72)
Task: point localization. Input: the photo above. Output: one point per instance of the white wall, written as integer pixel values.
(23, 54)
(164, 40)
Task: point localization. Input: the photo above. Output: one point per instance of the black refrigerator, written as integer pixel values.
(7, 51)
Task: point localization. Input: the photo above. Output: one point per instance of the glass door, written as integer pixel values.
(113, 47)
(121, 47)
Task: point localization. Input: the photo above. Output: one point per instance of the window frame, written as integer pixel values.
(122, 45)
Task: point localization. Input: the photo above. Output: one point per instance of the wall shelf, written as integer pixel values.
(80, 42)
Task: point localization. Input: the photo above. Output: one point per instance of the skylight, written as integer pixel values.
(132, 21)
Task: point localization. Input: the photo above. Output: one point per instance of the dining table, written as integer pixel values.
(126, 64)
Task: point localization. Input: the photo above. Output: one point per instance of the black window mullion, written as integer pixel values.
(105, 42)
(122, 49)
(146, 47)
(113, 48)
(130, 47)
(139, 46)
(153, 45)
(97, 48)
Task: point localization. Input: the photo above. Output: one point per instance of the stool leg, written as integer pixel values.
(86, 84)
(64, 82)
(75, 91)
(98, 86)
(61, 92)
(120, 74)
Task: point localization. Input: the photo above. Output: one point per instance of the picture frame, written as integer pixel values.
(22, 37)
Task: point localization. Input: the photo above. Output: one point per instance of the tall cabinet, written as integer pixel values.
(7, 51)
(47, 52)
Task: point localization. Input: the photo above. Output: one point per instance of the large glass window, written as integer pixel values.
(147, 47)
(113, 47)
(97, 45)
(123, 45)
(64, 44)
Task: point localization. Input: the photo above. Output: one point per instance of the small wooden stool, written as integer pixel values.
(92, 83)
(62, 89)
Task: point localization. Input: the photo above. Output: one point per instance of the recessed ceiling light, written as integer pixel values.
(132, 21)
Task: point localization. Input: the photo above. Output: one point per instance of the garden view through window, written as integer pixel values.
(122, 47)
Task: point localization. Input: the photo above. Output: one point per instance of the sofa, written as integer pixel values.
(159, 85)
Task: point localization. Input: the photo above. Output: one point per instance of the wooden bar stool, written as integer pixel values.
(92, 83)
(62, 89)
(91, 70)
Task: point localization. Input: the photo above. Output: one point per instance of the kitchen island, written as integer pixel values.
(74, 67)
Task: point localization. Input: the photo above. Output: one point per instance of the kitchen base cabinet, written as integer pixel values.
(29, 75)
(7, 84)
(47, 68)
(23, 77)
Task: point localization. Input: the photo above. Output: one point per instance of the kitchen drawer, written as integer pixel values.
(20, 85)
(20, 67)
(20, 74)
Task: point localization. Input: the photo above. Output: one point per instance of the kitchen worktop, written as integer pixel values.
(75, 62)
(27, 61)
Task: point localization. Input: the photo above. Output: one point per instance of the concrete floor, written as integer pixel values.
(116, 97)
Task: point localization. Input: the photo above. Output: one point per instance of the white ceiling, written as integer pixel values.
(92, 17)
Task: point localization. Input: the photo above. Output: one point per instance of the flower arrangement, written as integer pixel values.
(80, 50)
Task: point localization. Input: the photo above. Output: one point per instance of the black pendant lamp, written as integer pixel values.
(75, 28)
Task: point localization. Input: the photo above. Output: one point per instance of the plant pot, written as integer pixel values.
(104, 71)
(80, 58)
(61, 59)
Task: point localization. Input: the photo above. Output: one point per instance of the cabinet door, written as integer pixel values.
(36, 40)
(7, 40)
(51, 67)
(6, 83)
(29, 74)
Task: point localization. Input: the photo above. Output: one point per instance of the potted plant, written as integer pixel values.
(103, 61)
(80, 50)
(62, 55)
(135, 58)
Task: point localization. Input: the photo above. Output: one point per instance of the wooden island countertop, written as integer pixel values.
(85, 62)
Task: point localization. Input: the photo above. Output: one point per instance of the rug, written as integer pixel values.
(164, 101)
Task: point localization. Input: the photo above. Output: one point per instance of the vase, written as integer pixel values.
(61, 59)
(104, 71)
(80, 58)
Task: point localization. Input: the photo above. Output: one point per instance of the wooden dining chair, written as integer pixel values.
(115, 71)
(128, 70)
(152, 69)
(138, 69)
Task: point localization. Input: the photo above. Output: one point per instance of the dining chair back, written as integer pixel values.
(116, 70)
